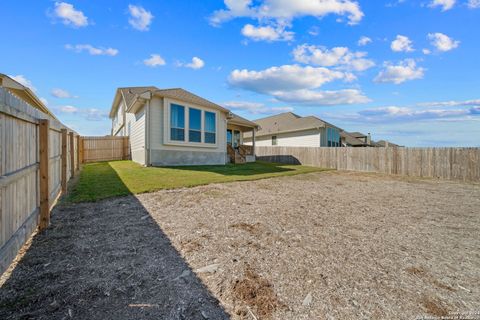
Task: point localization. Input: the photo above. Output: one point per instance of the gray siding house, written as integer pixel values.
(170, 127)
(291, 130)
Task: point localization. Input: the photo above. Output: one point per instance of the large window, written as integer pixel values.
(210, 127)
(195, 125)
(333, 137)
(177, 122)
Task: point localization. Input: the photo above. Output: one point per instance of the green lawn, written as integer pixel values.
(117, 178)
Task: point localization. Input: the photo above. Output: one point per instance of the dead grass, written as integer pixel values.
(361, 245)
(332, 245)
(434, 307)
(256, 293)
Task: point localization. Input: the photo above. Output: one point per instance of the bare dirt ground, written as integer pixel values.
(329, 245)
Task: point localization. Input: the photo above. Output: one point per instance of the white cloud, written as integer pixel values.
(442, 42)
(155, 60)
(94, 51)
(474, 4)
(323, 98)
(283, 10)
(402, 44)
(404, 71)
(462, 110)
(340, 57)
(286, 77)
(90, 114)
(24, 81)
(363, 41)
(426, 51)
(140, 18)
(294, 83)
(276, 15)
(452, 103)
(255, 107)
(68, 109)
(444, 4)
(69, 15)
(267, 33)
(63, 94)
(196, 63)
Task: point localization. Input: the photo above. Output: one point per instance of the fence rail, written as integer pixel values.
(38, 156)
(445, 163)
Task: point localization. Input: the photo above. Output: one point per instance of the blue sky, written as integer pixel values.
(406, 71)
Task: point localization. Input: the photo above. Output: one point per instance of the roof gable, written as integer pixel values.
(130, 94)
(187, 96)
(286, 122)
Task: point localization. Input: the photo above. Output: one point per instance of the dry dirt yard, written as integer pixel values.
(330, 245)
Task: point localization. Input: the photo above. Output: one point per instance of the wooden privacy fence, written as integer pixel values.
(446, 163)
(93, 149)
(38, 155)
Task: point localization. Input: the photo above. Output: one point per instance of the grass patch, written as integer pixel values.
(118, 178)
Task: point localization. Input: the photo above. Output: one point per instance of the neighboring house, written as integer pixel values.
(365, 139)
(354, 139)
(385, 144)
(291, 130)
(169, 127)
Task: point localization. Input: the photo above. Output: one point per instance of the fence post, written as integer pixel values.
(64, 161)
(78, 152)
(72, 155)
(43, 133)
(80, 149)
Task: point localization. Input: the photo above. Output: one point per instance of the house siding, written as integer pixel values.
(164, 154)
(118, 128)
(137, 135)
(306, 138)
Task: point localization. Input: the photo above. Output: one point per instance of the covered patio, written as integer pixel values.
(237, 151)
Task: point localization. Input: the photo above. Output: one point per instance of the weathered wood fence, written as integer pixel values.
(446, 163)
(38, 156)
(94, 149)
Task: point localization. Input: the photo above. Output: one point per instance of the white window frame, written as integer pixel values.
(166, 125)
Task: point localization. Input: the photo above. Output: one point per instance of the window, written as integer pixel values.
(229, 137)
(333, 137)
(210, 127)
(236, 138)
(177, 122)
(274, 140)
(195, 125)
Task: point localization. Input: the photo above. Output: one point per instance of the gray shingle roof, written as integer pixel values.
(130, 94)
(351, 140)
(287, 122)
(357, 134)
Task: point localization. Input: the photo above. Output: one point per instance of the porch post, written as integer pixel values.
(253, 141)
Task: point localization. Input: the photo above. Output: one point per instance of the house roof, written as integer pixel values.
(130, 95)
(24, 93)
(236, 119)
(383, 143)
(357, 134)
(288, 122)
(351, 140)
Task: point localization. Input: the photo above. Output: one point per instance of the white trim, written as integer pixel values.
(166, 125)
